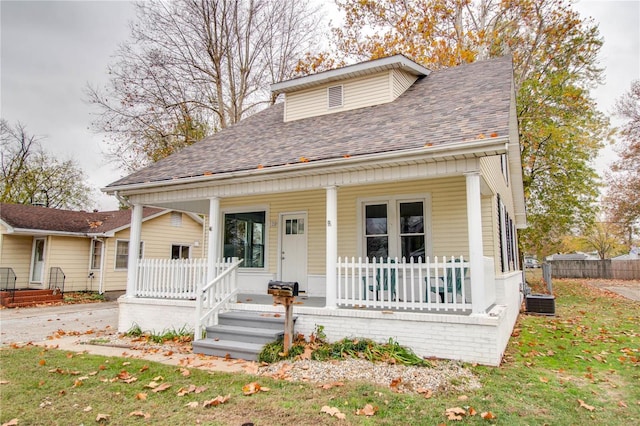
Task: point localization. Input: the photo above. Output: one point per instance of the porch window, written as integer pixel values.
(395, 228)
(412, 230)
(96, 254)
(244, 237)
(122, 253)
(180, 252)
(376, 230)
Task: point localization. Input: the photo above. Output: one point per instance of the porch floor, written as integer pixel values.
(320, 302)
(266, 299)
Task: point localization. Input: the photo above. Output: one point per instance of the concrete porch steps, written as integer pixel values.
(23, 297)
(240, 335)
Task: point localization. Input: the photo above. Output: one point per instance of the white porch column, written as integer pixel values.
(135, 232)
(213, 252)
(476, 252)
(332, 245)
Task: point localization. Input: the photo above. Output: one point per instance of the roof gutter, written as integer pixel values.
(434, 152)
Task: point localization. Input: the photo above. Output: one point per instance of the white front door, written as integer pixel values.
(293, 255)
(37, 260)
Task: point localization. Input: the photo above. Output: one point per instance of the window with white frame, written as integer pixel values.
(122, 253)
(395, 228)
(244, 237)
(96, 254)
(179, 251)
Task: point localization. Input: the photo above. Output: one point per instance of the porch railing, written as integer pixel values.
(215, 294)
(173, 278)
(386, 283)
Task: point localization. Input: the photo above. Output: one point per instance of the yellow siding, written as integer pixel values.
(15, 252)
(157, 235)
(71, 254)
(357, 93)
(448, 216)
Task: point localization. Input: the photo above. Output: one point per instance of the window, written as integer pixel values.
(377, 238)
(180, 251)
(507, 239)
(244, 237)
(294, 226)
(334, 96)
(395, 228)
(122, 253)
(96, 254)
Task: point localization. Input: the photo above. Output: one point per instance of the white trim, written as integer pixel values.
(351, 71)
(393, 224)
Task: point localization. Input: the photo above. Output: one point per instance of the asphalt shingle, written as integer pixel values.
(448, 106)
(23, 216)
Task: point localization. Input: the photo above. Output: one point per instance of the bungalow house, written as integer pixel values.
(40, 245)
(391, 194)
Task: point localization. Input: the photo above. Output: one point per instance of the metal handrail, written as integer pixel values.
(8, 278)
(55, 274)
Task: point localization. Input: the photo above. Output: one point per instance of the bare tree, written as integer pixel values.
(192, 67)
(32, 176)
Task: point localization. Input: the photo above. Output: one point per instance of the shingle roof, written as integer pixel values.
(447, 106)
(22, 216)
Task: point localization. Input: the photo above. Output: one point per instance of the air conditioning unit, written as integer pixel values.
(543, 304)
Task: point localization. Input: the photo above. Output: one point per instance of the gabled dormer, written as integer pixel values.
(352, 87)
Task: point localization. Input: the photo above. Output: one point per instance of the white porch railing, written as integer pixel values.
(212, 297)
(441, 284)
(173, 278)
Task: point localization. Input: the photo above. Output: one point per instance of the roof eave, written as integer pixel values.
(377, 65)
(489, 146)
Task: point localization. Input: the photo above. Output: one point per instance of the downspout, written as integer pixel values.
(122, 199)
(102, 261)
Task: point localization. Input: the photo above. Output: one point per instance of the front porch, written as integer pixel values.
(416, 308)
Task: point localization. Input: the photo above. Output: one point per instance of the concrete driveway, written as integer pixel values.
(34, 324)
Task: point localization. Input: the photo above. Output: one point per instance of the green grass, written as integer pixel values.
(590, 351)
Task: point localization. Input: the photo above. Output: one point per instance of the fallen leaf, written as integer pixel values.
(139, 414)
(42, 362)
(463, 398)
(488, 415)
(141, 396)
(333, 412)
(586, 406)
(368, 410)
(455, 413)
(622, 404)
(192, 404)
(4, 382)
(395, 383)
(102, 418)
(428, 393)
(12, 422)
(216, 401)
(328, 386)
(87, 409)
(472, 411)
(251, 388)
(162, 387)
(144, 368)
(124, 364)
(544, 379)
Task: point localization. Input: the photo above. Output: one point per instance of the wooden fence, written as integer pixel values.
(606, 269)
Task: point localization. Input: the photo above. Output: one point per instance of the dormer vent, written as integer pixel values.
(334, 96)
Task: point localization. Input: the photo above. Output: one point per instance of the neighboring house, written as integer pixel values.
(89, 248)
(382, 159)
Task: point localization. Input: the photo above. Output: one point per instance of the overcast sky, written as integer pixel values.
(50, 50)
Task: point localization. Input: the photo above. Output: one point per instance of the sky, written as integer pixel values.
(51, 50)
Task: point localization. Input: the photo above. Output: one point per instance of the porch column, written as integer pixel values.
(476, 252)
(134, 249)
(332, 245)
(213, 253)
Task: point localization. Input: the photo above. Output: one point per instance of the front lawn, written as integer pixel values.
(580, 367)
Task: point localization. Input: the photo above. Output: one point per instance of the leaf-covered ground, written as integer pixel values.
(580, 367)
